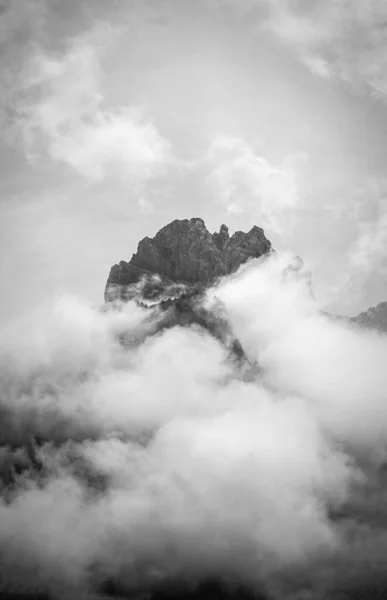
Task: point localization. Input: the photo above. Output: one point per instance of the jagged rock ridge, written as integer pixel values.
(184, 253)
(172, 271)
(184, 257)
(374, 318)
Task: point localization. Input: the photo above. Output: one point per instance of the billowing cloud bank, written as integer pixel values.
(134, 468)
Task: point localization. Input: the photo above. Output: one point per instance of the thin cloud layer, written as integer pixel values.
(364, 265)
(339, 38)
(160, 462)
(245, 182)
(67, 115)
(344, 39)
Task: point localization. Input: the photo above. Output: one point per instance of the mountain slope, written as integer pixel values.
(374, 318)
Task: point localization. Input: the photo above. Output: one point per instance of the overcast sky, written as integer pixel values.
(117, 117)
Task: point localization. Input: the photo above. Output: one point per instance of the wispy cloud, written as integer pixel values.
(363, 264)
(371, 246)
(21, 25)
(335, 38)
(245, 182)
(67, 116)
(366, 258)
(344, 38)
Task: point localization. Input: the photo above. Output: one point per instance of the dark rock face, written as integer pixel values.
(206, 590)
(374, 318)
(172, 271)
(184, 253)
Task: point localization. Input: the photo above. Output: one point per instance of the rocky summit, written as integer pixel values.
(173, 269)
(183, 253)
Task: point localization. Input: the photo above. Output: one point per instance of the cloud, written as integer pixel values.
(21, 24)
(336, 38)
(280, 336)
(66, 114)
(345, 39)
(370, 248)
(362, 266)
(244, 182)
(160, 462)
(365, 259)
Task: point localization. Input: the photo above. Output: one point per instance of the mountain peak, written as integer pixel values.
(184, 252)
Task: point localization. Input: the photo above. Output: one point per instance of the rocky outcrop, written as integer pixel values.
(183, 254)
(373, 318)
(173, 269)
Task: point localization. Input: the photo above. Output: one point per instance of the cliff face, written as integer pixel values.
(374, 318)
(184, 253)
(174, 268)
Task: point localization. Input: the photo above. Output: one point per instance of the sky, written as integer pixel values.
(118, 117)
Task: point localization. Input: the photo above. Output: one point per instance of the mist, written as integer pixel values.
(130, 469)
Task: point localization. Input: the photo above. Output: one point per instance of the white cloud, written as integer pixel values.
(345, 38)
(365, 263)
(193, 471)
(66, 113)
(278, 323)
(371, 246)
(342, 38)
(247, 183)
(318, 66)
(360, 275)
